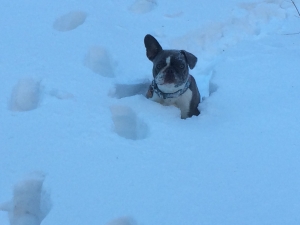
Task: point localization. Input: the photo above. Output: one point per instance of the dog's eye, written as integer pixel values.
(181, 66)
(159, 66)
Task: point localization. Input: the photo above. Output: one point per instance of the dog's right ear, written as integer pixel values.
(152, 46)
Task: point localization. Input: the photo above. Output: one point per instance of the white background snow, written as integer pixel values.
(72, 74)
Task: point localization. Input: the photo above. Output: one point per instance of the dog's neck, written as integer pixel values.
(176, 93)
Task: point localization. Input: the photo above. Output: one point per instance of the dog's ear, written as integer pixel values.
(190, 59)
(152, 46)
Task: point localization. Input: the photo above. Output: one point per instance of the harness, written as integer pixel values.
(154, 88)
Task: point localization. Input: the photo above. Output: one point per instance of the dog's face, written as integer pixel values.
(170, 67)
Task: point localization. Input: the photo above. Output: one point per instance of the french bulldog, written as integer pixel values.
(172, 83)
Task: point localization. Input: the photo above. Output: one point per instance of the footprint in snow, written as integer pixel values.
(69, 21)
(30, 203)
(142, 6)
(127, 124)
(25, 95)
(100, 61)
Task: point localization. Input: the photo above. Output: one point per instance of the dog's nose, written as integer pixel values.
(169, 71)
(169, 75)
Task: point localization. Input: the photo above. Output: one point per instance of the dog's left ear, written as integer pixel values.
(152, 46)
(190, 59)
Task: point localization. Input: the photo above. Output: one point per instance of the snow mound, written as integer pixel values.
(142, 6)
(122, 221)
(127, 124)
(30, 203)
(99, 61)
(127, 90)
(25, 95)
(69, 21)
(250, 21)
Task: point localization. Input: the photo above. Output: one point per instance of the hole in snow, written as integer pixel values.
(127, 90)
(127, 124)
(69, 21)
(99, 61)
(212, 88)
(142, 6)
(30, 203)
(25, 95)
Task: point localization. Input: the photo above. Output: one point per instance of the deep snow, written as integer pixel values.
(110, 155)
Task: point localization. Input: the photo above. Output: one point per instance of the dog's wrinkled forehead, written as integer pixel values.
(174, 55)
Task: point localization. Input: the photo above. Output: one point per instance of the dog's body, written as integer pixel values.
(172, 83)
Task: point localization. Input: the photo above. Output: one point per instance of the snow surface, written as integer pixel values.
(25, 95)
(30, 203)
(113, 157)
(70, 21)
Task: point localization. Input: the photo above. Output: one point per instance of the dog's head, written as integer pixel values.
(170, 67)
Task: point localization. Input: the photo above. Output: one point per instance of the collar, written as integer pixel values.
(171, 95)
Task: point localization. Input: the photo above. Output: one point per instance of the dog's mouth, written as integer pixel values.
(169, 78)
(166, 82)
(171, 85)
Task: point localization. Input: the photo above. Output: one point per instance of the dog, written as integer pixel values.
(172, 83)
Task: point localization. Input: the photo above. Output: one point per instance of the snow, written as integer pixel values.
(122, 221)
(114, 157)
(25, 95)
(142, 6)
(30, 204)
(127, 124)
(99, 61)
(70, 21)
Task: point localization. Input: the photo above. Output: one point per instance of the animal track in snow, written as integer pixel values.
(69, 21)
(99, 61)
(127, 124)
(142, 6)
(25, 95)
(30, 203)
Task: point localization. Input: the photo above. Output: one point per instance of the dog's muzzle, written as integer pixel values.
(154, 88)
